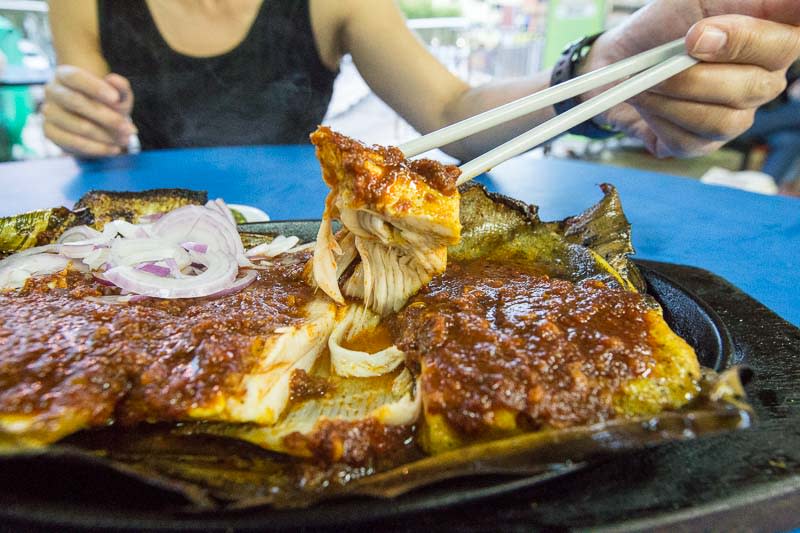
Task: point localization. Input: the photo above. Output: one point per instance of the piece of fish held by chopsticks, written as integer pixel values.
(399, 217)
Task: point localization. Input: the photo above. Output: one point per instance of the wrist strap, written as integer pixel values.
(564, 70)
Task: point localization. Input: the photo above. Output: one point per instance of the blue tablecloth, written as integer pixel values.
(749, 239)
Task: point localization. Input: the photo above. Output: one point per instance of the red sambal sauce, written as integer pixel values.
(133, 362)
(370, 186)
(353, 442)
(497, 336)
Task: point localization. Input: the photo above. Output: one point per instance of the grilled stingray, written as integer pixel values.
(70, 362)
(535, 327)
(503, 349)
(348, 420)
(494, 337)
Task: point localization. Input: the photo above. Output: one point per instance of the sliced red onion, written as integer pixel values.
(193, 223)
(101, 279)
(190, 252)
(79, 233)
(80, 249)
(47, 248)
(174, 269)
(220, 273)
(129, 252)
(97, 258)
(126, 229)
(198, 247)
(152, 268)
(241, 283)
(220, 206)
(278, 246)
(15, 270)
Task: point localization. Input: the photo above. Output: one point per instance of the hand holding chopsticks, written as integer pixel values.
(658, 65)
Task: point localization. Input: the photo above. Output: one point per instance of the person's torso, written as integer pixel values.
(272, 88)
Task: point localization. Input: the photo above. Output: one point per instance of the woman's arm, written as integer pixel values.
(86, 109)
(402, 72)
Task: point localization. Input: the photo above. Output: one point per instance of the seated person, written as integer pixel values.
(201, 73)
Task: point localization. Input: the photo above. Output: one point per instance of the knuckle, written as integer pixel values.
(740, 40)
(118, 123)
(768, 87)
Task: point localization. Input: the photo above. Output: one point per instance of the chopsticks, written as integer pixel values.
(658, 64)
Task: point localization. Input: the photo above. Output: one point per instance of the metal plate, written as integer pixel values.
(734, 474)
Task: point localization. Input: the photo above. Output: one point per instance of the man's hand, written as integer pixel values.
(746, 48)
(86, 115)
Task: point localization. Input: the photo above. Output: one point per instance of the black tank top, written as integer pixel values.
(271, 89)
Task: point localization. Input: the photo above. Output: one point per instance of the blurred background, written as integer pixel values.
(480, 40)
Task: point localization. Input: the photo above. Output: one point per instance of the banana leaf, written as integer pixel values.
(95, 208)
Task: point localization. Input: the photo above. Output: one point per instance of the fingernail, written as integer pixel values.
(711, 41)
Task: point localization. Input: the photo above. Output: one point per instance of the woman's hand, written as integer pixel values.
(86, 115)
(746, 48)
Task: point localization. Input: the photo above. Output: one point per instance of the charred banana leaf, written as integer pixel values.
(593, 245)
(37, 228)
(131, 206)
(95, 208)
(215, 472)
(605, 229)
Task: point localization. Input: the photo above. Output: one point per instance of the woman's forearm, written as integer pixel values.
(479, 99)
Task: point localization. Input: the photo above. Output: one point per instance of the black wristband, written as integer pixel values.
(565, 70)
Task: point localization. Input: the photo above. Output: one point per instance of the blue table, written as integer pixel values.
(751, 240)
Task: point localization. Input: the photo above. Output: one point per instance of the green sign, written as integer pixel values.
(568, 20)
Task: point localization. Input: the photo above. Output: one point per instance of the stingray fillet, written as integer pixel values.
(354, 421)
(68, 363)
(399, 217)
(503, 349)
